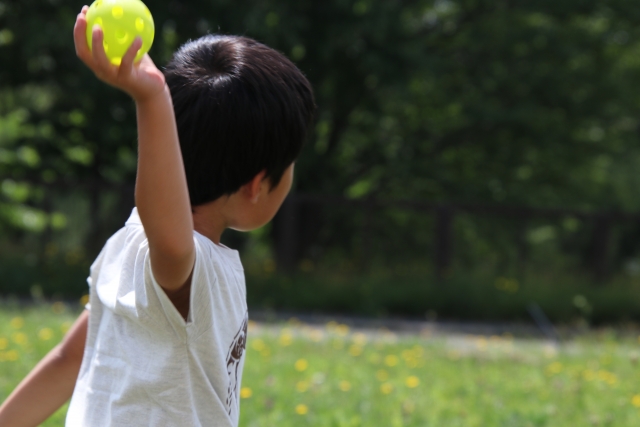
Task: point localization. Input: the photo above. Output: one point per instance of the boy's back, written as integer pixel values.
(143, 360)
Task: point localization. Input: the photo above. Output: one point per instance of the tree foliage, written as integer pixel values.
(529, 103)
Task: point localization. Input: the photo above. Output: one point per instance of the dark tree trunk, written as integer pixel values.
(443, 241)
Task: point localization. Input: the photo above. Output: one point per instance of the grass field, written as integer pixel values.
(332, 376)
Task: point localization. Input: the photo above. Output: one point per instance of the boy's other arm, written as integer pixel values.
(161, 191)
(50, 384)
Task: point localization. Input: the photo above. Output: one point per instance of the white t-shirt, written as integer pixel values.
(143, 364)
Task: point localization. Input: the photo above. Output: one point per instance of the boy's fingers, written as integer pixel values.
(85, 8)
(80, 39)
(97, 51)
(129, 57)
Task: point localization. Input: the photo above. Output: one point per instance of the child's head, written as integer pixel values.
(241, 108)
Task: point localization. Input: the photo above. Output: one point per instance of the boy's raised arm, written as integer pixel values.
(161, 192)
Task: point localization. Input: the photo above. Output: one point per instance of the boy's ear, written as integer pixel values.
(253, 187)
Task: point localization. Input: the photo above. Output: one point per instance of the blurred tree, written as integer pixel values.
(468, 100)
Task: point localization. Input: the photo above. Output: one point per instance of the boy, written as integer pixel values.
(162, 343)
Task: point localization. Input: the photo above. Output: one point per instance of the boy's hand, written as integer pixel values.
(141, 81)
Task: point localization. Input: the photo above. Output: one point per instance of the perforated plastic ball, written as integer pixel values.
(121, 21)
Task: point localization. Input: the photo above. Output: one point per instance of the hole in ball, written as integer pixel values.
(139, 24)
(117, 12)
(122, 36)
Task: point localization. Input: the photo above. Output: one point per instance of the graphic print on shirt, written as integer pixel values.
(233, 363)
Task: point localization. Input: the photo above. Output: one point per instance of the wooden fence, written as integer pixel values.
(288, 223)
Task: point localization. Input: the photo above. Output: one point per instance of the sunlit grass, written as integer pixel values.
(330, 375)
(26, 335)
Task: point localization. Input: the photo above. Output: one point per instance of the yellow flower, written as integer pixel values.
(608, 377)
(635, 400)
(3, 343)
(302, 409)
(386, 388)
(45, 334)
(382, 375)
(301, 365)
(360, 338)
(17, 322)
(391, 360)
(286, 339)
(412, 381)
(11, 355)
(345, 385)
(331, 325)
(355, 350)
(302, 386)
(554, 368)
(258, 345)
(246, 392)
(20, 338)
(342, 330)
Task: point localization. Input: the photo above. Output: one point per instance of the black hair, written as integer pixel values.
(241, 107)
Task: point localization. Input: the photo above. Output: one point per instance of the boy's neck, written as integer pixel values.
(209, 220)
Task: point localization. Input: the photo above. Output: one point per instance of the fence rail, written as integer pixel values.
(444, 214)
(289, 222)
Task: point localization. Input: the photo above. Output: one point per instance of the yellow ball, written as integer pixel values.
(121, 21)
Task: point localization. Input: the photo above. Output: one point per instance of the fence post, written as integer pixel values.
(286, 241)
(444, 240)
(600, 243)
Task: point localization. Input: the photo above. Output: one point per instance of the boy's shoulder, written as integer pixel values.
(131, 240)
(123, 268)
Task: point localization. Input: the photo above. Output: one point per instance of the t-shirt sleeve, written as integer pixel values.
(94, 272)
(202, 279)
(125, 285)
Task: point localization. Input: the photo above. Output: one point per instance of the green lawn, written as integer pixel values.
(331, 376)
